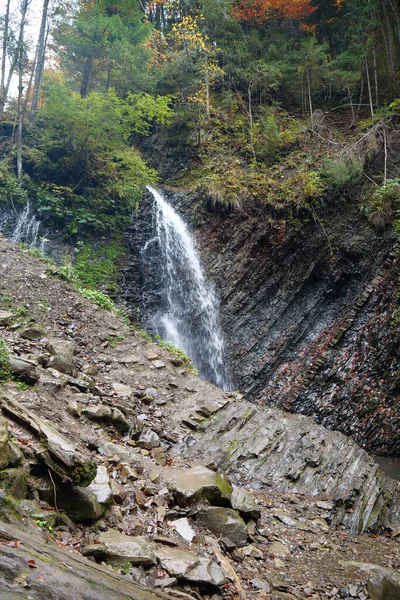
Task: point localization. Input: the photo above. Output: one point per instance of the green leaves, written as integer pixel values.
(95, 172)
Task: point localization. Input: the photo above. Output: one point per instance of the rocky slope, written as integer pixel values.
(155, 447)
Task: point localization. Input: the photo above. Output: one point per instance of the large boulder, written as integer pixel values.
(100, 486)
(384, 584)
(199, 484)
(175, 561)
(62, 356)
(244, 502)
(59, 573)
(80, 504)
(225, 522)
(15, 482)
(206, 571)
(23, 369)
(33, 332)
(118, 548)
(6, 317)
(187, 566)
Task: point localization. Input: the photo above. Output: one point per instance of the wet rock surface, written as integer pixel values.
(309, 314)
(308, 491)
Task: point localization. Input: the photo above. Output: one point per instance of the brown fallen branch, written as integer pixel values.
(227, 568)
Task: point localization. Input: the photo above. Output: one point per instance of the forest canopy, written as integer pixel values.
(232, 83)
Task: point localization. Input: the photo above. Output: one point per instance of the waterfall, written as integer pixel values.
(21, 225)
(187, 310)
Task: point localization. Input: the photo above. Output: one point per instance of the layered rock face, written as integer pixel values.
(309, 314)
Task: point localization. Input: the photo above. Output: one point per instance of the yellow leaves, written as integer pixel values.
(187, 34)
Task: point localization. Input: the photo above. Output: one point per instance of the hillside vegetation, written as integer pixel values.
(272, 100)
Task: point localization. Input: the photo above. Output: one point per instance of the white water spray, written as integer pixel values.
(189, 311)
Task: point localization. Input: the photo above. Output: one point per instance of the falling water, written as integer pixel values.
(21, 225)
(188, 311)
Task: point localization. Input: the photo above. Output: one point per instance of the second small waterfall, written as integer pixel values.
(188, 311)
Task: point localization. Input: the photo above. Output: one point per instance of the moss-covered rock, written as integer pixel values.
(199, 484)
(15, 482)
(4, 447)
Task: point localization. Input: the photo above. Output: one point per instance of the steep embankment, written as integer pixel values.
(106, 402)
(308, 311)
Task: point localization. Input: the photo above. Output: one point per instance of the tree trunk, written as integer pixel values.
(207, 83)
(3, 96)
(396, 12)
(388, 37)
(361, 95)
(250, 111)
(375, 75)
(371, 104)
(310, 99)
(24, 10)
(41, 53)
(353, 114)
(87, 72)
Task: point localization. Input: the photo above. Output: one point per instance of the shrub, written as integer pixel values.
(10, 189)
(384, 203)
(341, 171)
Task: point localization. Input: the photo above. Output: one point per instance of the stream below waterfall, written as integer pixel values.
(187, 309)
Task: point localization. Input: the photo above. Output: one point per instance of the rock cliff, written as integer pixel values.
(309, 311)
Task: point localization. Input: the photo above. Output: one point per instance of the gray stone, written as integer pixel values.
(118, 548)
(244, 502)
(159, 364)
(284, 518)
(33, 332)
(120, 389)
(183, 528)
(119, 420)
(129, 359)
(5, 317)
(15, 482)
(4, 445)
(111, 450)
(62, 356)
(252, 551)
(74, 408)
(100, 486)
(225, 522)
(165, 582)
(80, 504)
(383, 584)
(46, 518)
(15, 455)
(117, 491)
(148, 439)
(97, 413)
(200, 484)
(23, 369)
(206, 571)
(176, 562)
(279, 550)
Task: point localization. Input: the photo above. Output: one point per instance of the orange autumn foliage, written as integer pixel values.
(259, 11)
